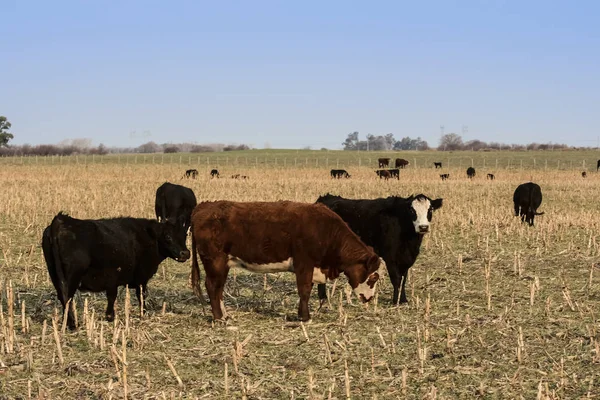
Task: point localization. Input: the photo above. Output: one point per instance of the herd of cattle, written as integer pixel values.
(316, 241)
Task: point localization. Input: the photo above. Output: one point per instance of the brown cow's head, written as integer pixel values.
(363, 277)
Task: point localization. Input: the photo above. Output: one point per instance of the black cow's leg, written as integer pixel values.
(74, 281)
(322, 291)
(396, 279)
(403, 298)
(516, 209)
(111, 296)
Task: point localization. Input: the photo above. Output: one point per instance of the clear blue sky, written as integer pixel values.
(295, 74)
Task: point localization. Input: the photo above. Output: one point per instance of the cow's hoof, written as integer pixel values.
(110, 317)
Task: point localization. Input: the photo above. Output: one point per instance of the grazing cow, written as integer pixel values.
(235, 176)
(394, 226)
(307, 239)
(437, 165)
(191, 173)
(598, 165)
(383, 174)
(470, 172)
(444, 176)
(385, 162)
(214, 173)
(491, 177)
(339, 173)
(584, 174)
(401, 163)
(174, 203)
(101, 255)
(527, 199)
(394, 173)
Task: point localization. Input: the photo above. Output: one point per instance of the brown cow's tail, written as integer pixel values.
(196, 272)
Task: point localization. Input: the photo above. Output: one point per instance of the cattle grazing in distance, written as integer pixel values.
(584, 174)
(191, 173)
(383, 162)
(214, 173)
(470, 172)
(383, 174)
(339, 173)
(174, 203)
(266, 237)
(394, 226)
(401, 163)
(101, 255)
(444, 176)
(598, 165)
(394, 173)
(238, 176)
(491, 177)
(527, 199)
(437, 164)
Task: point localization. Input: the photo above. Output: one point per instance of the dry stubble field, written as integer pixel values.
(496, 309)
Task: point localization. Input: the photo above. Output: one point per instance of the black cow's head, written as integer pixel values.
(421, 210)
(171, 241)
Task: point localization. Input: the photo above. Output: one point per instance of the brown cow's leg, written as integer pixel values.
(216, 275)
(304, 282)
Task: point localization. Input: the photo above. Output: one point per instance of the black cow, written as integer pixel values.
(191, 173)
(401, 163)
(339, 173)
(175, 203)
(383, 174)
(393, 226)
(491, 177)
(384, 162)
(444, 176)
(437, 165)
(598, 165)
(214, 173)
(101, 255)
(470, 172)
(527, 199)
(394, 173)
(584, 174)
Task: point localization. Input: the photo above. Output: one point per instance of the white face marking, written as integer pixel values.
(365, 289)
(319, 276)
(282, 266)
(421, 207)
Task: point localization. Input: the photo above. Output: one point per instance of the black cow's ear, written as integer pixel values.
(437, 203)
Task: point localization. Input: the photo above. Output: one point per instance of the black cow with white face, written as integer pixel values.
(393, 226)
(527, 198)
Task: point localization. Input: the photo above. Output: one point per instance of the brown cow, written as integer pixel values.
(383, 162)
(401, 163)
(383, 174)
(308, 239)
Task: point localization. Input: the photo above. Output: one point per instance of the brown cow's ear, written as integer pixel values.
(437, 203)
(373, 263)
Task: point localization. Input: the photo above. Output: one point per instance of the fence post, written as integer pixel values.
(496, 163)
(472, 162)
(534, 163)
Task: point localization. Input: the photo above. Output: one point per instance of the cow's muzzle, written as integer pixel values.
(423, 228)
(184, 255)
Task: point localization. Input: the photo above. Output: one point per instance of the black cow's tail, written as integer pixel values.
(196, 272)
(56, 260)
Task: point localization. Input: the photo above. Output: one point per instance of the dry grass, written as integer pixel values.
(497, 309)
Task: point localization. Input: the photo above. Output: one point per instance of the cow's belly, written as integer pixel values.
(281, 266)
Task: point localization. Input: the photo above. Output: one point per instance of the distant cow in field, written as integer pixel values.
(191, 173)
(598, 165)
(383, 174)
(401, 163)
(491, 177)
(101, 255)
(471, 172)
(214, 173)
(339, 173)
(238, 176)
(174, 203)
(584, 174)
(266, 237)
(444, 176)
(527, 199)
(394, 173)
(383, 162)
(394, 226)
(437, 165)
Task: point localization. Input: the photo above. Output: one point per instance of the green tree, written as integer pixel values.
(4, 135)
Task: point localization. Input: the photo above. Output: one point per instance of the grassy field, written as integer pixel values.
(496, 309)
